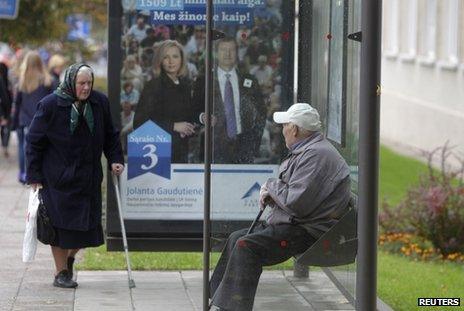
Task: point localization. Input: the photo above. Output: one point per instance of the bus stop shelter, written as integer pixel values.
(324, 52)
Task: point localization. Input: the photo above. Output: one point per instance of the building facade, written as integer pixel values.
(423, 74)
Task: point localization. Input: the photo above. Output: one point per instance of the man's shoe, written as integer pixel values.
(69, 265)
(216, 308)
(62, 280)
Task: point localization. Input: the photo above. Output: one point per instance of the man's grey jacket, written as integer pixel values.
(313, 188)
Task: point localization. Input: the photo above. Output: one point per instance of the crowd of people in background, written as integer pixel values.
(28, 77)
(258, 53)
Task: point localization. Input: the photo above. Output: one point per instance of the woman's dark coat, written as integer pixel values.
(5, 100)
(165, 103)
(26, 105)
(5, 95)
(69, 165)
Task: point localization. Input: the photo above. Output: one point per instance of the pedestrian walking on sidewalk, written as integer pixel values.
(65, 142)
(56, 65)
(34, 84)
(5, 108)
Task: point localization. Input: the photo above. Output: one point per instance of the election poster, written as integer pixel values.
(162, 104)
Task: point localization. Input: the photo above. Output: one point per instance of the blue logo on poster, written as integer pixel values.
(255, 188)
(149, 150)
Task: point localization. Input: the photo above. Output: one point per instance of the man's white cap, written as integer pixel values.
(301, 114)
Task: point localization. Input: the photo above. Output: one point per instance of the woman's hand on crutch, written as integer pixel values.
(117, 168)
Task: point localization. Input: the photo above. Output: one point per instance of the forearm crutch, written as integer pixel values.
(123, 231)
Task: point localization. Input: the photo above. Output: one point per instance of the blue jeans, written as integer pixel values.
(22, 132)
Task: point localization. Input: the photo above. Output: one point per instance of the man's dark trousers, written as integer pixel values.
(235, 278)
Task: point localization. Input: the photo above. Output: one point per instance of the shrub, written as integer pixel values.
(434, 209)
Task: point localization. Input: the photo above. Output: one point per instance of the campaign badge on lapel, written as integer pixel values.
(247, 83)
(149, 151)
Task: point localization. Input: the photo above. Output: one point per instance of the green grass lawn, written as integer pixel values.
(397, 174)
(100, 259)
(400, 280)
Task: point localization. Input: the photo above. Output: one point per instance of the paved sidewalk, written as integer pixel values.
(29, 286)
(183, 291)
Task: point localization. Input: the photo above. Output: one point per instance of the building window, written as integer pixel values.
(408, 30)
(428, 32)
(449, 31)
(391, 28)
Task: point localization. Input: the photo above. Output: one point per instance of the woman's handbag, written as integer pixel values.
(45, 230)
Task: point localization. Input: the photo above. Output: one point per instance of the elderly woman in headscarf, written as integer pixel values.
(69, 132)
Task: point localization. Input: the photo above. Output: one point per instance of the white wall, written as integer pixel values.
(422, 105)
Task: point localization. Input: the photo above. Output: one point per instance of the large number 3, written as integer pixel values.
(150, 154)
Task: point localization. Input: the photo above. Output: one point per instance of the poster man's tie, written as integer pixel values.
(231, 122)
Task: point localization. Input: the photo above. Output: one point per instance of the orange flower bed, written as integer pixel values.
(414, 247)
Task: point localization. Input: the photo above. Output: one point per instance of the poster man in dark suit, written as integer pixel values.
(238, 108)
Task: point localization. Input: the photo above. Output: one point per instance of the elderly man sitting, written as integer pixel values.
(309, 196)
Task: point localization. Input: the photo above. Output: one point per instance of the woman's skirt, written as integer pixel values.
(71, 239)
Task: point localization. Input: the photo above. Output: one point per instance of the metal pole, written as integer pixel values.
(366, 273)
(114, 91)
(302, 77)
(303, 80)
(114, 58)
(207, 178)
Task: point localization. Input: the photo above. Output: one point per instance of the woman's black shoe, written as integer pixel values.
(69, 265)
(62, 280)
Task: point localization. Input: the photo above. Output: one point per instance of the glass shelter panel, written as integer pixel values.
(335, 92)
(252, 78)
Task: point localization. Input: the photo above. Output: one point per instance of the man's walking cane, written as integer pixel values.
(255, 222)
(123, 231)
